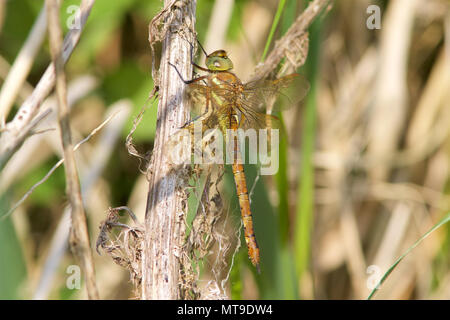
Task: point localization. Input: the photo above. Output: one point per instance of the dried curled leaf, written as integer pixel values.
(126, 247)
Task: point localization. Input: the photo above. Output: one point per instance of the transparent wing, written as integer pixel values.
(253, 96)
(190, 141)
(197, 93)
(258, 93)
(249, 99)
(251, 118)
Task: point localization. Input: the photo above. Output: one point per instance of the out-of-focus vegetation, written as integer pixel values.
(364, 171)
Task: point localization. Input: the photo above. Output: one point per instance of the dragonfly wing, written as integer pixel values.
(264, 124)
(190, 140)
(197, 94)
(251, 118)
(260, 92)
(206, 96)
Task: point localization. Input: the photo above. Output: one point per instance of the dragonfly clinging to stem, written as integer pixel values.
(228, 105)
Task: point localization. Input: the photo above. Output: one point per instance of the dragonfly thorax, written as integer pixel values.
(228, 79)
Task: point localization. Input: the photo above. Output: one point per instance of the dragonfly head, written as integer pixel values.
(218, 61)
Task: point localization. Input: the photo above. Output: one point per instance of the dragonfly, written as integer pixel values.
(228, 104)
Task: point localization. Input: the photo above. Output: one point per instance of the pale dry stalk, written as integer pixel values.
(167, 196)
(79, 237)
(18, 129)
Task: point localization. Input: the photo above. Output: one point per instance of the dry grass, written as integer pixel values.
(381, 162)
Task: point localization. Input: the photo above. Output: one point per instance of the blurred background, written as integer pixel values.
(364, 170)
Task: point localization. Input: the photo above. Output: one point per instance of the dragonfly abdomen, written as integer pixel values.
(244, 204)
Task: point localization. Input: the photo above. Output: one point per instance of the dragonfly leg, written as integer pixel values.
(192, 56)
(187, 81)
(193, 120)
(204, 51)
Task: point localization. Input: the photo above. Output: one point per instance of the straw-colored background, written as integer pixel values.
(363, 175)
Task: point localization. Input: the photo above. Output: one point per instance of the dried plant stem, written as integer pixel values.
(103, 150)
(50, 172)
(19, 129)
(79, 237)
(18, 166)
(290, 43)
(167, 197)
(218, 24)
(22, 65)
(390, 103)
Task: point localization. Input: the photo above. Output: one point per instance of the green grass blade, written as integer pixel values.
(276, 20)
(236, 285)
(389, 271)
(305, 203)
(13, 271)
(283, 189)
(195, 199)
(289, 16)
(281, 176)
